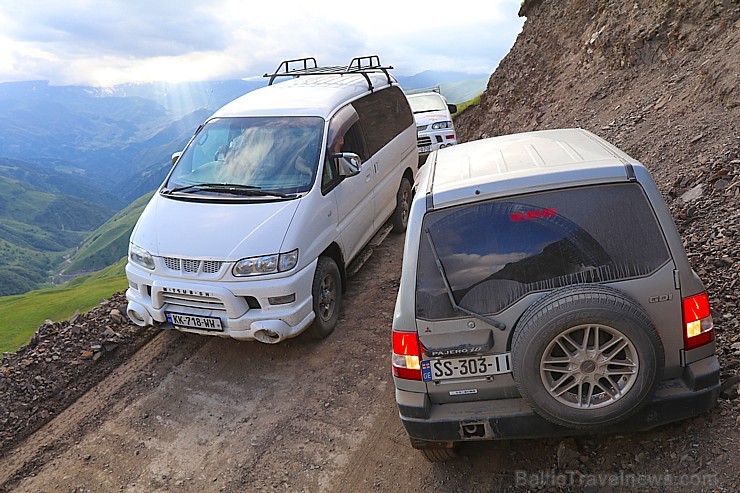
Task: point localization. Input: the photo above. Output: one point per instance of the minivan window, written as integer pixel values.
(384, 115)
(495, 252)
(352, 141)
(273, 154)
(424, 103)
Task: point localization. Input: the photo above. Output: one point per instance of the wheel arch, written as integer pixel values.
(335, 252)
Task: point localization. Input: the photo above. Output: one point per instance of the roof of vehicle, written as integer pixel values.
(525, 162)
(316, 95)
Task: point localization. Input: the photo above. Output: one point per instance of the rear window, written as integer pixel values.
(495, 252)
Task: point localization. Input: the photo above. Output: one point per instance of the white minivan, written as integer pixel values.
(250, 234)
(433, 116)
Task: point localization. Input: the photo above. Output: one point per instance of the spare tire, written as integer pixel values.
(586, 356)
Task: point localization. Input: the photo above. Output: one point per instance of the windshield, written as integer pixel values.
(269, 154)
(426, 102)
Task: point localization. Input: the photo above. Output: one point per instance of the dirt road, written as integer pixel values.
(200, 414)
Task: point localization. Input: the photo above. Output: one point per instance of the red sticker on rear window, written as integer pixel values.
(532, 215)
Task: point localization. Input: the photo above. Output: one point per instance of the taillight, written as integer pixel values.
(406, 355)
(697, 319)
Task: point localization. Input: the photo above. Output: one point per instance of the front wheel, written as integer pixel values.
(327, 298)
(400, 218)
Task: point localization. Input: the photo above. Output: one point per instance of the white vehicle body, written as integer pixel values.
(433, 121)
(203, 255)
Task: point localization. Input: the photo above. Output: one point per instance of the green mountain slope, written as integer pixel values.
(60, 179)
(23, 314)
(36, 229)
(107, 244)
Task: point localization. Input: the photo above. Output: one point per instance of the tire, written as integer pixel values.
(326, 291)
(439, 454)
(591, 384)
(400, 217)
(435, 451)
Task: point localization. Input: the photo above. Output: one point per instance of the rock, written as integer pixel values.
(87, 355)
(721, 184)
(74, 316)
(662, 101)
(116, 316)
(693, 194)
(567, 454)
(108, 333)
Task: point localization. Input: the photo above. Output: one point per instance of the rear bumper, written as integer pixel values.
(676, 399)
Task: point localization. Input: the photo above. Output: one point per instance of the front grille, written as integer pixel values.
(424, 141)
(194, 301)
(192, 266)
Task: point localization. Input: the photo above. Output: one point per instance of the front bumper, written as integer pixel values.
(243, 306)
(433, 140)
(676, 399)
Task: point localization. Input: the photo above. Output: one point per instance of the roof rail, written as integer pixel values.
(363, 65)
(422, 89)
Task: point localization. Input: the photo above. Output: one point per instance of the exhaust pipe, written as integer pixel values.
(274, 331)
(138, 314)
(267, 336)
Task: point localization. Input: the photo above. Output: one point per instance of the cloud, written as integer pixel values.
(104, 42)
(467, 269)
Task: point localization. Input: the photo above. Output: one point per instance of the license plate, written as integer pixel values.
(476, 366)
(194, 321)
(425, 149)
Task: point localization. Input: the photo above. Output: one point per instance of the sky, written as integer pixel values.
(108, 42)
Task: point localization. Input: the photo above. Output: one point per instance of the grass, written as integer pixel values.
(467, 104)
(109, 242)
(21, 315)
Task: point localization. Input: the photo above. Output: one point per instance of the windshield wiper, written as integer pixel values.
(448, 288)
(427, 111)
(233, 188)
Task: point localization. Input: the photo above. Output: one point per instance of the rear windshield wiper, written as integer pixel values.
(234, 188)
(448, 288)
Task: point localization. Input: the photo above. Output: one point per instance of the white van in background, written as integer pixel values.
(433, 115)
(250, 234)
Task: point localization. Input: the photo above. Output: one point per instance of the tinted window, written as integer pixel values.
(384, 114)
(352, 141)
(495, 252)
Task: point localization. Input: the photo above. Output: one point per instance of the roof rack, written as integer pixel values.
(363, 65)
(422, 89)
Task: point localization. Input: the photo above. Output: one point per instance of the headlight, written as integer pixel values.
(141, 257)
(439, 125)
(267, 264)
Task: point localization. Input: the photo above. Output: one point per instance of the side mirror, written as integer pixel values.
(452, 108)
(349, 163)
(175, 157)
